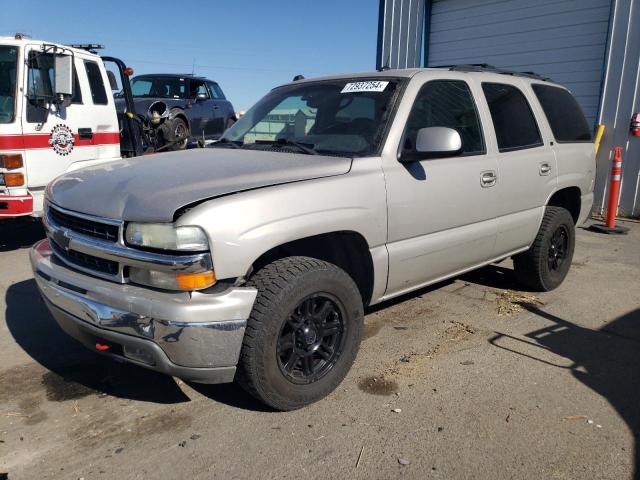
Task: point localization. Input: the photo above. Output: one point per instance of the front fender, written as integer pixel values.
(243, 226)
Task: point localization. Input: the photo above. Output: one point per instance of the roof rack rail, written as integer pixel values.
(89, 47)
(485, 67)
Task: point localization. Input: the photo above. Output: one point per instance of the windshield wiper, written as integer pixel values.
(225, 141)
(300, 146)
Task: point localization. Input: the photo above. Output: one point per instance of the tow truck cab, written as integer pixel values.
(57, 114)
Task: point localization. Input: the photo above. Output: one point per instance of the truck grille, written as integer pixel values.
(83, 226)
(87, 262)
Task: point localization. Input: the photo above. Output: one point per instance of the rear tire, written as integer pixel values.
(303, 333)
(546, 264)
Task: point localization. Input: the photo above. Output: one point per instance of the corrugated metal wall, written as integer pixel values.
(564, 39)
(400, 33)
(621, 98)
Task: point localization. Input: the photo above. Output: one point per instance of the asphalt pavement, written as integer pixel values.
(470, 378)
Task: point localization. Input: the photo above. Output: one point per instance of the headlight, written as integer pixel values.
(166, 236)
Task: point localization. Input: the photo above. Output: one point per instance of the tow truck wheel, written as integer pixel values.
(303, 333)
(176, 128)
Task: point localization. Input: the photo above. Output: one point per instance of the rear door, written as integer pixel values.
(527, 169)
(59, 138)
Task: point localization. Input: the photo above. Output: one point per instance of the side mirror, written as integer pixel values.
(63, 77)
(434, 142)
(201, 97)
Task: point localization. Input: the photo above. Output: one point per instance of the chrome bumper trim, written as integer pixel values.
(193, 330)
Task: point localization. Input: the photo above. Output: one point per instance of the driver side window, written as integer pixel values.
(446, 103)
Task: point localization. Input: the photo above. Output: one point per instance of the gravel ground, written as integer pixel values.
(466, 379)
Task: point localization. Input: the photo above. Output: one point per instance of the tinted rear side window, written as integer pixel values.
(564, 114)
(512, 117)
(96, 85)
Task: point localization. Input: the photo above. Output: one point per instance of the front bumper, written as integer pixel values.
(15, 206)
(193, 336)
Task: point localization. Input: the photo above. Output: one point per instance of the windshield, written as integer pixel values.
(8, 63)
(160, 87)
(339, 117)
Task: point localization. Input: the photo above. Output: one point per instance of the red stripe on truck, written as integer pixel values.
(41, 140)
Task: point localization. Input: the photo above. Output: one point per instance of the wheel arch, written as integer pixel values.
(568, 198)
(346, 249)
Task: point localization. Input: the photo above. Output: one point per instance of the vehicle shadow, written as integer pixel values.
(69, 363)
(605, 360)
(19, 233)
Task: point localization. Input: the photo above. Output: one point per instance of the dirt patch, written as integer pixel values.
(60, 388)
(411, 365)
(378, 385)
(20, 381)
(371, 329)
(161, 423)
(510, 302)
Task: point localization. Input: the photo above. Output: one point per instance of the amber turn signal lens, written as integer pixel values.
(195, 281)
(11, 160)
(128, 71)
(13, 179)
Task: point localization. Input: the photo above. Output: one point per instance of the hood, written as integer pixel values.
(151, 188)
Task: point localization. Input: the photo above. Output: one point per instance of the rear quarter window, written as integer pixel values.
(565, 116)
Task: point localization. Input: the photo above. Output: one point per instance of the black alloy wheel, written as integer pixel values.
(311, 339)
(558, 248)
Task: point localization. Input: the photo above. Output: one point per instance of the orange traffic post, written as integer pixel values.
(614, 194)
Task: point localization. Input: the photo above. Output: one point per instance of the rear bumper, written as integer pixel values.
(195, 336)
(15, 206)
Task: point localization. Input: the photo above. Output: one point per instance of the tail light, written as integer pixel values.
(11, 160)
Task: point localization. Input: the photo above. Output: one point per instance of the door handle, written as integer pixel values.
(85, 134)
(216, 107)
(488, 178)
(545, 169)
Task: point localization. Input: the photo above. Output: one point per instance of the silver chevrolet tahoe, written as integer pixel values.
(253, 260)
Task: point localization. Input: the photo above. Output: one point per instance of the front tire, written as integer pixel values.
(546, 264)
(173, 129)
(303, 333)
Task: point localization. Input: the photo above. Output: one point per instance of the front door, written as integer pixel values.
(441, 210)
(60, 138)
(205, 111)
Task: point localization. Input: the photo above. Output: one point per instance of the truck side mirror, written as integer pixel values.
(433, 142)
(63, 78)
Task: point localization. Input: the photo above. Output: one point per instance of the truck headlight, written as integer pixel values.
(167, 236)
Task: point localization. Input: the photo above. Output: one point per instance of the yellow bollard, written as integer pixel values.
(599, 133)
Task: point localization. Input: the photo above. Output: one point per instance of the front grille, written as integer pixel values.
(85, 261)
(84, 226)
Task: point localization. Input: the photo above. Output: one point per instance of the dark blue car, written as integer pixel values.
(183, 108)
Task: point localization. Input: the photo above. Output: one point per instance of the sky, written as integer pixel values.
(247, 46)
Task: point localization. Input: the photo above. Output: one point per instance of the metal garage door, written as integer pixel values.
(564, 40)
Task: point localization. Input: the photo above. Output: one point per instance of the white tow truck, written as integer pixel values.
(57, 114)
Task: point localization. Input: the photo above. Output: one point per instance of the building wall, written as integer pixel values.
(591, 46)
(620, 99)
(564, 40)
